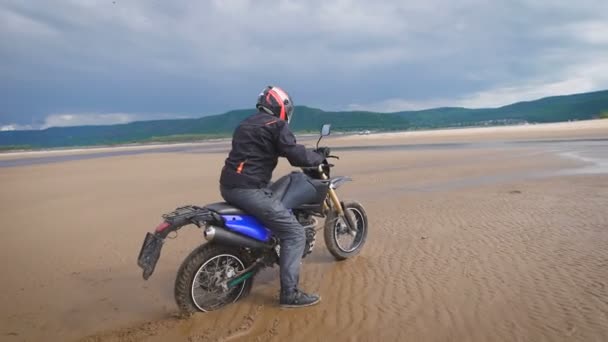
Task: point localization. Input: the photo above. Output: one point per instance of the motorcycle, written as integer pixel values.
(221, 271)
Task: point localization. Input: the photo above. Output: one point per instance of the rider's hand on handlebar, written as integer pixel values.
(324, 151)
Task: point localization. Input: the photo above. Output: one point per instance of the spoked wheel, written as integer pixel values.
(202, 280)
(341, 241)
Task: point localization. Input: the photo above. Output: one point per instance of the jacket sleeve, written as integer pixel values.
(296, 154)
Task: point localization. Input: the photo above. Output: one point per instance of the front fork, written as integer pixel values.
(337, 205)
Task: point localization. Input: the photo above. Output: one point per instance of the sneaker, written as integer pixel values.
(298, 299)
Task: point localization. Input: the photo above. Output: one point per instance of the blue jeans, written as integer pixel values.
(273, 214)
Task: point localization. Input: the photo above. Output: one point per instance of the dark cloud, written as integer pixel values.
(122, 60)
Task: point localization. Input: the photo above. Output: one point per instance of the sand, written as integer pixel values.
(492, 240)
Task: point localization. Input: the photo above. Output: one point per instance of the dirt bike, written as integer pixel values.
(221, 271)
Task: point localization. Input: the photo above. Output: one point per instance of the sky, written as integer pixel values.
(88, 62)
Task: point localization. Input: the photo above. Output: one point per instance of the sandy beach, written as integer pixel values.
(480, 234)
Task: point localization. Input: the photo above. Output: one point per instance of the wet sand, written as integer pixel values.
(474, 242)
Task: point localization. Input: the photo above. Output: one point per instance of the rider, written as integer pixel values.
(257, 143)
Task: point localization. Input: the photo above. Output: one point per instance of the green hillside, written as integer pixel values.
(551, 109)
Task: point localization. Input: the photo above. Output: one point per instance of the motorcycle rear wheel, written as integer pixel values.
(198, 285)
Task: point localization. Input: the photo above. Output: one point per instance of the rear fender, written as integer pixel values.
(173, 221)
(149, 254)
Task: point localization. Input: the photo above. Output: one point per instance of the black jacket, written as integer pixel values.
(257, 143)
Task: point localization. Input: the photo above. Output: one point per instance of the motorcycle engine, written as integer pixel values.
(309, 230)
(309, 223)
(310, 241)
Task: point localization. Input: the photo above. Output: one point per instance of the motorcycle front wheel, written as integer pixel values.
(341, 241)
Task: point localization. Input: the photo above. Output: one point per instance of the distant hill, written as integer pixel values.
(550, 109)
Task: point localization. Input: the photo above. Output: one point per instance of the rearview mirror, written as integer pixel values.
(325, 130)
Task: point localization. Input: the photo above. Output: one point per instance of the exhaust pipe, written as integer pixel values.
(225, 237)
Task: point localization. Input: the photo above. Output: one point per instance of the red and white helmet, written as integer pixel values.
(275, 101)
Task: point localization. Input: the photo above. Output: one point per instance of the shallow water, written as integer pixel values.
(594, 151)
(595, 155)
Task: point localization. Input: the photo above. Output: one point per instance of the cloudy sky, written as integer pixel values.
(100, 62)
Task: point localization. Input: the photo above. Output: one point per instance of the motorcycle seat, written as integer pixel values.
(224, 208)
